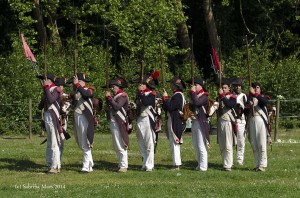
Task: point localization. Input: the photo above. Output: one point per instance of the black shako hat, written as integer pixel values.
(178, 82)
(150, 79)
(80, 76)
(60, 81)
(48, 76)
(255, 84)
(119, 81)
(225, 81)
(237, 81)
(197, 80)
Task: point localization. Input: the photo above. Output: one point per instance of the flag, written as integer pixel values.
(215, 59)
(29, 55)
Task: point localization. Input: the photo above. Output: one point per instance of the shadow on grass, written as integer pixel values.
(191, 165)
(21, 165)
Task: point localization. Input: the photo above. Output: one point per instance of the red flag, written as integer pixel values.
(215, 59)
(29, 55)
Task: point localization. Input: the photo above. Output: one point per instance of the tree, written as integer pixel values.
(211, 26)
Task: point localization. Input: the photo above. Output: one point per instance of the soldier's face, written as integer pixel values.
(198, 87)
(257, 89)
(115, 88)
(81, 82)
(238, 88)
(225, 88)
(173, 87)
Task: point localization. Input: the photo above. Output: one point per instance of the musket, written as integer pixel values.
(220, 73)
(45, 59)
(106, 65)
(142, 61)
(192, 61)
(75, 51)
(162, 65)
(248, 62)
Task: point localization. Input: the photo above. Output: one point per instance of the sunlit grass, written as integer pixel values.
(23, 171)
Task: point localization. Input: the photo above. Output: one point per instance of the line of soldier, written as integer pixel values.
(231, 108)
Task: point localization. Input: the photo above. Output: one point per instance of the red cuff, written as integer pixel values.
(191, 92)
(221, 96)
(77, 85)
(108, 97)
(45, 87)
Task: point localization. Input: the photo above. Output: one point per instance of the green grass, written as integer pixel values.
(22, 171)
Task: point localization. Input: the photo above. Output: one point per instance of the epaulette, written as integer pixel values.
(153, 93)
(124, 94)
(206, 93)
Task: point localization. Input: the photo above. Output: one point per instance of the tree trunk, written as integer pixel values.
(42, 34)
(54, 36)
(211, 26)
(183, 34)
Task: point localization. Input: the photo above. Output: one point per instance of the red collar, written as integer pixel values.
(228, 93)
(119, 91)
(201, 91)
(52, 85)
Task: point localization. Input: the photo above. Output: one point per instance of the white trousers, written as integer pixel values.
(241, 136)
(225, 138)
(146, 141)
(80, 125)
(175, 147)
(52, 150)
(199, 142)
(118, 143)
(258, 140)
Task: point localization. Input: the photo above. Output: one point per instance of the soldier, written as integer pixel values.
(83, 118)
(226, 120)
(50, 103)
(146, 121)
(200, 126)
(258, 126)
(175, 125)
(118, 106)
(64, 111)
(241, 121)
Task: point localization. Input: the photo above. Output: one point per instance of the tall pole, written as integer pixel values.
(30, 118)
(192, 61)
(221, 69)
(106, 65)
(45, 61)
(248, 61)
(277, 119)
(162, 65)
(75, 51)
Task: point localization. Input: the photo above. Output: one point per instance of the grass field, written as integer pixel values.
(23, 172)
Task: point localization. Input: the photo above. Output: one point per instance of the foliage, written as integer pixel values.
(120, 33)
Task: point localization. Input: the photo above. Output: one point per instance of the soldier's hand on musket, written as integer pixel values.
(165, 94)
(221, 91)
(47, 81)
(193, 88)
(75, 79)
(107, 94)
(251, 90)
